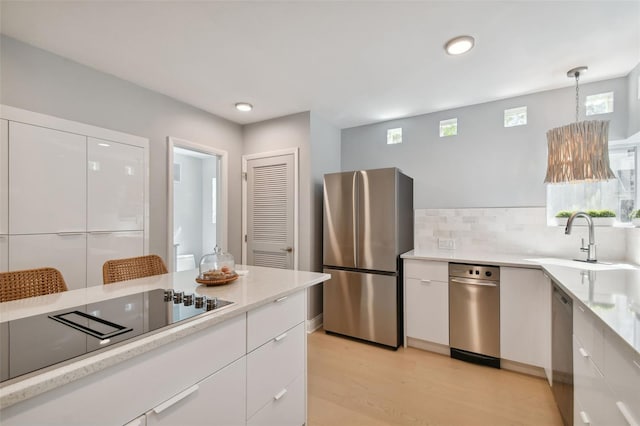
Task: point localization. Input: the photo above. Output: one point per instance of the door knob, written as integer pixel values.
(287, 249)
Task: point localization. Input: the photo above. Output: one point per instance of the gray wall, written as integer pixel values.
(188, 209)
(485, 165)
(633, 101)
(36, 80)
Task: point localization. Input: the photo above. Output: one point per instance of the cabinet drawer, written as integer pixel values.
(219, 399)
(273, 366)
(590, 332)
(275, 318)
(287, 407)
(427, 304)
(424, 269)
(622, 373)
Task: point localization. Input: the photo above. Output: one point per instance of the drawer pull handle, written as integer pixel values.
(636, 364)
(168, 403)
(584, 418)
(626, 414)
(425, 281)
(583, 353)
(70, 234)
(280, 337)
(281, 299)
(279, 394)
(581, 308)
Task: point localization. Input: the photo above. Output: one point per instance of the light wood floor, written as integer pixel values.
(352, 383)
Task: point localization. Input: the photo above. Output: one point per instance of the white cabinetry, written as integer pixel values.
(427, 301)
(4, 177)
(115, 178)
(47, 180)
(276, 385)
(66, 252)
(4, 253)
(218, 399)
(525, 317)
(66, 183)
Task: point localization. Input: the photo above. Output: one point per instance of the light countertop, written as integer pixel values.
(258, 287)
(610, 290)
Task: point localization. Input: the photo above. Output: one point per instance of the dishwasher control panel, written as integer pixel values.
(478, 272)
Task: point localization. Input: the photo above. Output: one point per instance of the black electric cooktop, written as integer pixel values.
(31, 343)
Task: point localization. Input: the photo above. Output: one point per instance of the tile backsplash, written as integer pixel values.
(519, 230)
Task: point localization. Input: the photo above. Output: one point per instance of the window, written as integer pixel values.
(515, 117)
(601, 103)
(394, 136)
(449, 127)
(619, 195)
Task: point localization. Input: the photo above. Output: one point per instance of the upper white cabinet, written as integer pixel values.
(4, 253)
(4, 177)
(102, 246)
(47, 180)
(115, 178)
(525, 315)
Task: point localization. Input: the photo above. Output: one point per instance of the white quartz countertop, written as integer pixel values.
(257, 287)
(610, 290)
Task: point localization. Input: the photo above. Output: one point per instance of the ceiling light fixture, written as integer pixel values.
(244, 106)
(459, 45)
(579, 151)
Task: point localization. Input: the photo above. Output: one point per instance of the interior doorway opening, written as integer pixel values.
(197, 204)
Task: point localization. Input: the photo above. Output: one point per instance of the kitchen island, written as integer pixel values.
(248, 358)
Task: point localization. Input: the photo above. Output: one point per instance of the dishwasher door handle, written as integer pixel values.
(473, 282)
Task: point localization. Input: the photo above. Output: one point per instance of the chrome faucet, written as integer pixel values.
(591, 248)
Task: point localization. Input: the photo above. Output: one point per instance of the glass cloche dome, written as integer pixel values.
(217, 265)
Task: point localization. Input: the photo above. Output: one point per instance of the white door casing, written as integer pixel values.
(270, 209)
(222, 212)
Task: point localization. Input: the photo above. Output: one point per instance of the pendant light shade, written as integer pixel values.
(579, 151)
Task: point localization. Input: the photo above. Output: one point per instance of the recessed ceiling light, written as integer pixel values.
(244, 106)
(459, 45)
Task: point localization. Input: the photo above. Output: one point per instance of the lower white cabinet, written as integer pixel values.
(65, 252)
(4, 253)
(270, 320)
(287, 408)
(217, 400)
(103, 246)
(426, 295)
(622, 373)
(525, 316)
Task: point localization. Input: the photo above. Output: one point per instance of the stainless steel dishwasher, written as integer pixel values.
(474, 313)
(562, 353)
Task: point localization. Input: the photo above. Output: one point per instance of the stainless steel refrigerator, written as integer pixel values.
(368, 223)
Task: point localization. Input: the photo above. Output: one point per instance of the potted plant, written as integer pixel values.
(602, 217)
(562, 216)
(635, 217)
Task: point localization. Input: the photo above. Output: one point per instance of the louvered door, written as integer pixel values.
(270, 186)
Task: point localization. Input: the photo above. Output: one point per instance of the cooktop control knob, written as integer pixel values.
(188, 299)
(212, 304)
(488, 273)
(168, 295)
(199, 301)
(178, 296)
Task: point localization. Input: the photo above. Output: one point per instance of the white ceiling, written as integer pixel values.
(353, 63)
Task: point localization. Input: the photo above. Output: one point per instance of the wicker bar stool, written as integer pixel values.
(16, 285)
(134, 267)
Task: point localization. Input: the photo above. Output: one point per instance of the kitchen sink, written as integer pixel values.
(578, 264)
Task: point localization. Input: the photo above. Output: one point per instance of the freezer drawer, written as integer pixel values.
(362, 305)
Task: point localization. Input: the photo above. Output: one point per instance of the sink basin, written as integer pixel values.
(598, 266)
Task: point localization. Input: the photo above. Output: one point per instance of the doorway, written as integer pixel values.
(197, 203)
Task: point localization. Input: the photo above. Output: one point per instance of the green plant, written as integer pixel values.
(564, 213)
(601, 213)
(635, 214)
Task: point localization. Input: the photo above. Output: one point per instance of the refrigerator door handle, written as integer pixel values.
(354, 216)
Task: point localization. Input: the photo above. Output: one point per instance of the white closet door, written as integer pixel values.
(67, 253)
(4, 177)
(115, 186)
(103, 246)
(47, 180)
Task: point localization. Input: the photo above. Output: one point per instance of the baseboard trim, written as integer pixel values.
(428, 346)
(518, 367)
(314, 324)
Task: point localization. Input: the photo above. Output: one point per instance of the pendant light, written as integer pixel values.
(579, 151)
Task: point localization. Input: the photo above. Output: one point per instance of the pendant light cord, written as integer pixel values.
(577, 95)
